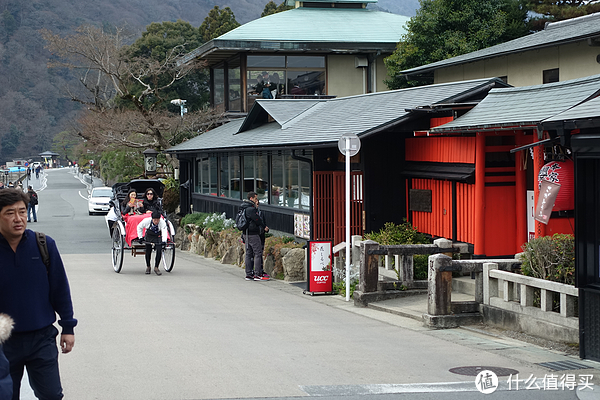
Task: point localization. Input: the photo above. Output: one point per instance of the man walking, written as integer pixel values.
(254, 246)
(33, 289)
(33, 201)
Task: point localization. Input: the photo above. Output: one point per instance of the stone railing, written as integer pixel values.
(518, 297)
(504, 298)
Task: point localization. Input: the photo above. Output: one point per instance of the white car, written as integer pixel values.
(98, 200)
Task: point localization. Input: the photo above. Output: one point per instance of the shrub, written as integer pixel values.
(551, 258)
(214, 222)
(403, 233)
(340, 287)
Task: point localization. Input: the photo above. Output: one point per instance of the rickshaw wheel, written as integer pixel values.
(168, 256)
(117, 249)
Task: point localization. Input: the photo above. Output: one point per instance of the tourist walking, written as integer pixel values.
(33, 289)
(33, 201)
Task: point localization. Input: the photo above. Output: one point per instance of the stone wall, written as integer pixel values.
(227, 247)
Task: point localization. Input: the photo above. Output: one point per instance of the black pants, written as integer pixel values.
(149, 254)
(38, 352)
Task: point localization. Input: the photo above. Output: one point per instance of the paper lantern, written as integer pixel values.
(560, 172)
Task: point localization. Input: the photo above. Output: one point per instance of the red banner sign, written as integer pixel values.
(320, 271)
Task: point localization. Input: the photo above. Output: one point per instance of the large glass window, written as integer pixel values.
(221, 176)
(265, 61)
(219, 88)
(272, 77)
(235, 85)
(213, 173)
(256, 176)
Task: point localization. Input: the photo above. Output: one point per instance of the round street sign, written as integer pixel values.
(91, 162)
(349, 144)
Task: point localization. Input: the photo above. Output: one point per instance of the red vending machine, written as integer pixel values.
(319, 277)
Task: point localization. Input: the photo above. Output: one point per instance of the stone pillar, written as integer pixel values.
(369, 269)
(355, 250)
(405, 271)
(490, 285)
(444, 244)
(439, 288)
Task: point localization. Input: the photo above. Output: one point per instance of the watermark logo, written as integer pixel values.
(486, 382)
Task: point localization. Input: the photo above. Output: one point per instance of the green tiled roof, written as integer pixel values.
(323, 25)
(554, 34)
(310, 29)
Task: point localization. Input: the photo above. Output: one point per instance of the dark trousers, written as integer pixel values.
(149, 254)
(254, 250)
(38, 352)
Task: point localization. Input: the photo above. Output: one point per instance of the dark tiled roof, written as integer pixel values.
(524, 106)
(303, 123)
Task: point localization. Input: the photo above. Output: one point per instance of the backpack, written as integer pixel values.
(43, 246)
(241, 221)
(33, 199)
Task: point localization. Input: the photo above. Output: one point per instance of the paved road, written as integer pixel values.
(204, 332)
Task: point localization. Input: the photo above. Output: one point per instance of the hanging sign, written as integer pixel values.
(548, 192)
(320, 272)
(561, 172)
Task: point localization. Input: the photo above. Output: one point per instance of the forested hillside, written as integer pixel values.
(34, 106)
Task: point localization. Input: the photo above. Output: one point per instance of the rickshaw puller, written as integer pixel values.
(157, 234)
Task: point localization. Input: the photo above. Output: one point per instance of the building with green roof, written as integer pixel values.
(320, 49)
(564, 50)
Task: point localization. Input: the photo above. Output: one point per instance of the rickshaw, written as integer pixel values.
(123, 228)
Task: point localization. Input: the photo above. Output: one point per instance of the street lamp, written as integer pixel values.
(181, 104)
(150, 161)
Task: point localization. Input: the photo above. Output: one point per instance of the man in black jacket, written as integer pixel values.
(254, 247)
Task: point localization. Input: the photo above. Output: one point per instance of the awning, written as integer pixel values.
(441, 171)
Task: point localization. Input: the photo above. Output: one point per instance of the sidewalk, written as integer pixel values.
(557, 358)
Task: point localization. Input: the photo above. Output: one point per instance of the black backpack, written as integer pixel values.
(241, 221)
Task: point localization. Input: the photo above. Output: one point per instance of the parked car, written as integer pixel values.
(98, 201)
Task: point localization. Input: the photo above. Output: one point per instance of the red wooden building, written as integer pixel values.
(486, 204)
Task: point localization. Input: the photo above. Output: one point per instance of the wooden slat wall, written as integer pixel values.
(439, 221)
(357, 205)
(323, 205)
(465, 204)
(441, 149)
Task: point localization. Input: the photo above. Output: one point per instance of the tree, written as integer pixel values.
(10, 142)
(558, 10)
(156, 42)
(217, 23)
(447, 28)
(65, 143)
(272, 8)
(124, 92)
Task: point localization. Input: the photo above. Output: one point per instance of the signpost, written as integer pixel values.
(349, 146)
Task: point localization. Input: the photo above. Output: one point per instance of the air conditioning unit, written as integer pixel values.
(360, 62)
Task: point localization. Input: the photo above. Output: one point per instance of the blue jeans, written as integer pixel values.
(36, 350)
(30, 208)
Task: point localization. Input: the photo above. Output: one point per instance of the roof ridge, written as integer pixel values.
(571, 21)
(543, 86)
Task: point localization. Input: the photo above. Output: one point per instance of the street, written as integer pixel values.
(203, 332)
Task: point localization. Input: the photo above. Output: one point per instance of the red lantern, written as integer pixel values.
(560, 172)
